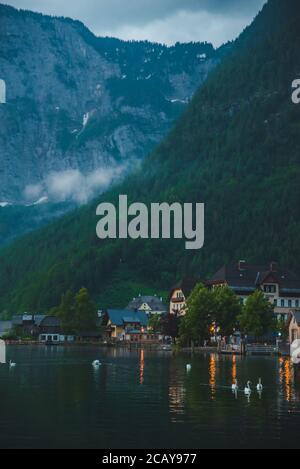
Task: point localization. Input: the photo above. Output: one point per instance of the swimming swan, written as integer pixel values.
(235, 387)
(247, 389)
(259, 387)
(96, 363)
(11, 364)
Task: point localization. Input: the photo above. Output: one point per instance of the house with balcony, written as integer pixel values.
(279, 284)
(179, 295)
(129, 326)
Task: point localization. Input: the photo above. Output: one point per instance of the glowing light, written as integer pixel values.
(212, 375)
(142, 366)
(234, 369)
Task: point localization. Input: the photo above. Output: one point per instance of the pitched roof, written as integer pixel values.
(48, 321)
(245, 275)
(153, 302)
(119, 317)
(38, 318)
(296, 315)
(187, 284)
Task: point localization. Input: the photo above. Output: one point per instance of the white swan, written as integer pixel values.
(235, 386)
(259, 387)
(96, 364)
(11, 364)
(188, 367)
(247, 389)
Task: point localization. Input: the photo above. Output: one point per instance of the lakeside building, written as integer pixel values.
(294, 326)
(129, 326)
(280, 285)
(149, 304)
(179, 295)
(48, 329)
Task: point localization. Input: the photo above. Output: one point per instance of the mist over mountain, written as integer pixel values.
(82, 111)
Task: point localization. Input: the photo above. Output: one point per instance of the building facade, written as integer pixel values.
(179, 295)
(280, 285)
(294, 326)
(129, 326)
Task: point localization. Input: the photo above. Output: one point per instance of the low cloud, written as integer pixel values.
(203, 26)
(72, 185)
(166, 21)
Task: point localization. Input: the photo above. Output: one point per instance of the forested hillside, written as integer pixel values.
(236, 148)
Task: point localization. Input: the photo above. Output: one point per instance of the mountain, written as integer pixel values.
(236, 148)
(81, 110)
(17, 220)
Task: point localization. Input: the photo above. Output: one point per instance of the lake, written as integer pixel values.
(141, 399)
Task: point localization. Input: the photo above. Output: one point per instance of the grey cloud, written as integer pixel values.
(72, 185)
(127, 19)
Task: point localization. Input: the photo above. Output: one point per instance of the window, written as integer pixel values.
(275, 302)
(290, 303)
(270, 288)
(297, 303)
(282, 303)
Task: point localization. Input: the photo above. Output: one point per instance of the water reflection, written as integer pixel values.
(286, 378)
(176, 393)
(180, 410)
(212, 375)
(142, 366)
(234, 369)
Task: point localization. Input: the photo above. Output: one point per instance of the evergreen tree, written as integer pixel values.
(66, 312)
(85, 311)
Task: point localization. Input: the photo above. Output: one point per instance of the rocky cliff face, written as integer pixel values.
(80, 110)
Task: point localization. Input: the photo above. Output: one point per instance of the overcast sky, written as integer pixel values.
(166, 21)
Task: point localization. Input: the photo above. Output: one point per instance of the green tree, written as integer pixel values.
(196, 323)
(85, 311)
(66, 312)
(227, 309)
(257, 317)
(155, 323)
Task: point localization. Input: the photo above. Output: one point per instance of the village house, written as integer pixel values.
(294, 326)
(47, 329)
(129, 326)
(179, 295)
(280, 285)
(149, 304)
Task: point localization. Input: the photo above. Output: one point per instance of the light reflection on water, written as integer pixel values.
(54, 398)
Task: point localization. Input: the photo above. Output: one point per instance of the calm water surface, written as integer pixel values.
(140, 399)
